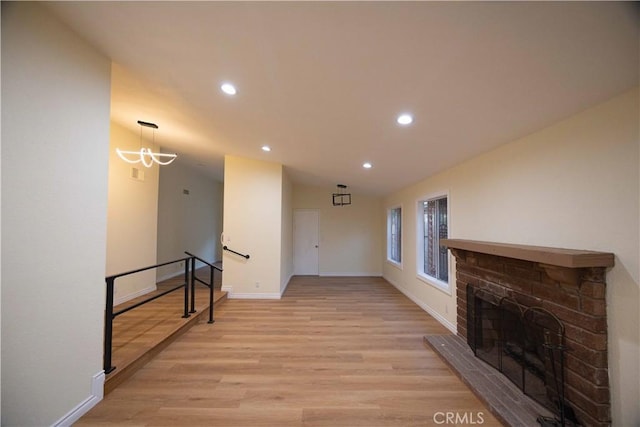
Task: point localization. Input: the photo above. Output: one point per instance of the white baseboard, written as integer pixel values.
(450, 326)
(137, 294)
(233, 295)
(171, 275)
(367, 274)
(97, 393)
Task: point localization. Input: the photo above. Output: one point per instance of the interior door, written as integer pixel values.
(306, 225)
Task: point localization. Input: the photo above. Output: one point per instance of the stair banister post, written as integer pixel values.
(186, 289)
(108, 326)
(193, 284)
(211, 294)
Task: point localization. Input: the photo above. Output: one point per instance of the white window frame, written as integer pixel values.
(421, 275)
(389, 259)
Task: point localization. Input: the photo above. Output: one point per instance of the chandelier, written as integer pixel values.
(146, 156)
(341, 198)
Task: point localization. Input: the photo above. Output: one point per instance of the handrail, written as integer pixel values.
(237, 253)
(147, 300)
(203, 261)
(115, 276)
(195, 279)
(110, 315)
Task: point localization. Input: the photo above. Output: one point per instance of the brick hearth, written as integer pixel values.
(569, 283)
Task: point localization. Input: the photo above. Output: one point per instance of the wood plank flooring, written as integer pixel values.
(331, 352)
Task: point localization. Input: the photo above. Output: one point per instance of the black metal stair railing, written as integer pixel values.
(195, 279)
(189, 279)
(226, 248)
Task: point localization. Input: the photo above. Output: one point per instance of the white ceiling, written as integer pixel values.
(322, 82)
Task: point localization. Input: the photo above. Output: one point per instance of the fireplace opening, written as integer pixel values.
(526, 344)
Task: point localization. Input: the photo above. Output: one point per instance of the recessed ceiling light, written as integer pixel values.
(266, 148)
(228, 88)
(405, 119)
(367, 165)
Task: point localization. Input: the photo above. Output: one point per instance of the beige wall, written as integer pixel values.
(55, 152)
(252, 225)
(286, 254)
(572, 185)
(351, 240)
(132, 219)
(190, 222)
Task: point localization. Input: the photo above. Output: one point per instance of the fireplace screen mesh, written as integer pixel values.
(525, 344)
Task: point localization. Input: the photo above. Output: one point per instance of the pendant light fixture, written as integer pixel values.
(146, 156)
(341, 198)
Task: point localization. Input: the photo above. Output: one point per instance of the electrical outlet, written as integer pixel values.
(181, 264)
(257, 285)
(446, 309)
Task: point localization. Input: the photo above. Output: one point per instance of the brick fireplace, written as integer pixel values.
(568, 283)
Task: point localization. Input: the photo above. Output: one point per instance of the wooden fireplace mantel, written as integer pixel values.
(569, 258)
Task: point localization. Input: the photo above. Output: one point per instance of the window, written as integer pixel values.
(394, 235)
(433, 258)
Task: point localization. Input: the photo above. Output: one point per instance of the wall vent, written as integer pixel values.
(137, 174)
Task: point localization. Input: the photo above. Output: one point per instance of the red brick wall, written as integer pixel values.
(575, 296)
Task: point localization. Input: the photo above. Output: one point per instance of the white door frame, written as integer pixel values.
(306, 253)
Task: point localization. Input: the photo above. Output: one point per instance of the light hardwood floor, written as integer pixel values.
(331, 352)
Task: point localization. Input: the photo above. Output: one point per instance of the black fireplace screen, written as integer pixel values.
(525, 344)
